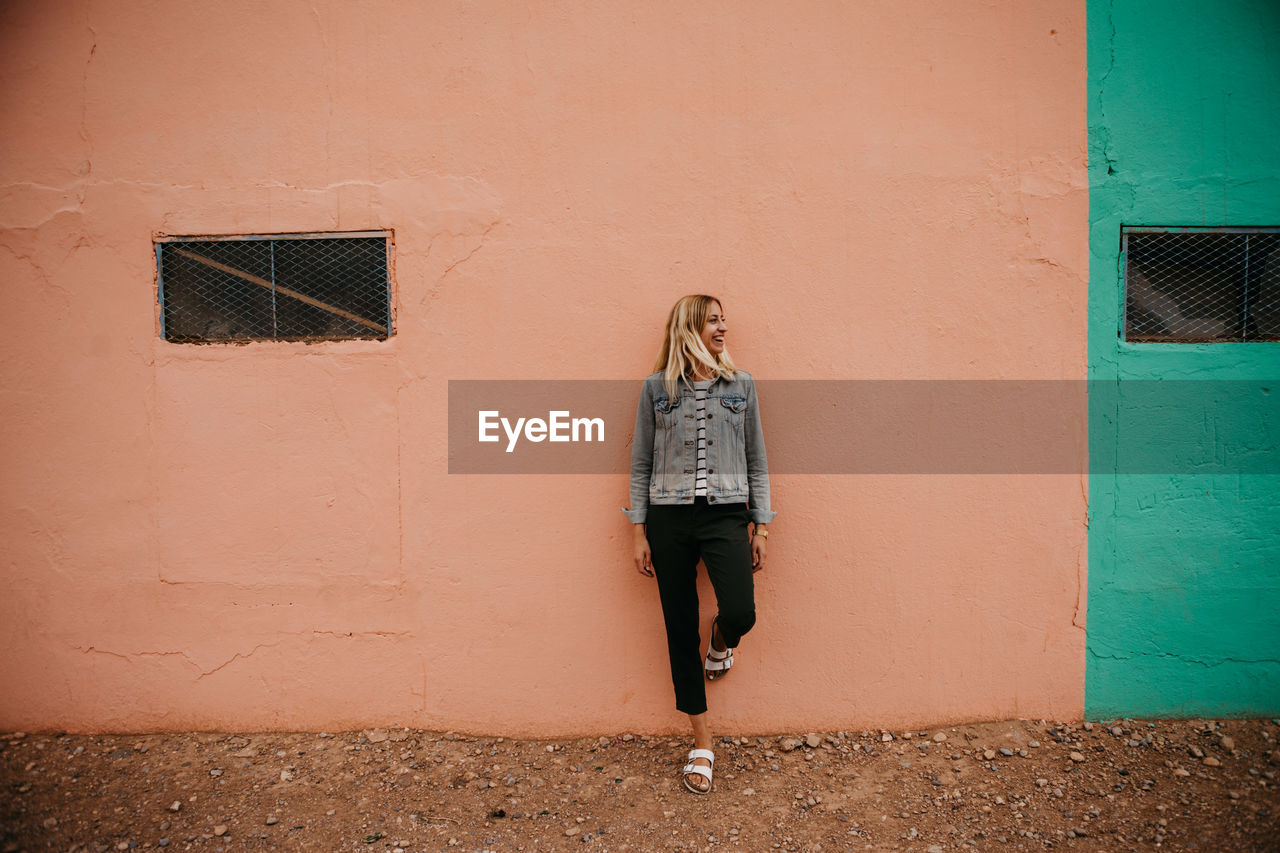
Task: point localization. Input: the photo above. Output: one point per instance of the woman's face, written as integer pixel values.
(714, 329)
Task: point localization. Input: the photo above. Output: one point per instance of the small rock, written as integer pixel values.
(989, 754)
(376, 735)
(1077, 757)
(175, 806)
(272, 820)
(789, 744)
(220, 830)
(51, 823)
(813, 741)
(571, 831)
(1181, 771)
(886, 737)
(939, 737)
(1227, 742)
(286, 775)
(1210, 761)
(934, 848)
(215, 772)
(164, 842)
(1116, 730)
(1006, 752)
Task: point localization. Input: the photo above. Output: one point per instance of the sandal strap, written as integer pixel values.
(716, 654)
(698, 769)
(702, 753)
(717, 664)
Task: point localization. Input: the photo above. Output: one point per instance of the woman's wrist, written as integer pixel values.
(762, 530)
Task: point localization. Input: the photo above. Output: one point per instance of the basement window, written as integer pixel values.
(1196, 285)
(279, 287)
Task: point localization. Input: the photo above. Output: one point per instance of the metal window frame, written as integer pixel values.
(160, 239)
(1126, 230)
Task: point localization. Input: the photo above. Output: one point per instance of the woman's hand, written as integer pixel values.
(759, 547)
(643, 557)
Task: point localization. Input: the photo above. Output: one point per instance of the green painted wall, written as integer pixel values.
(1184, 565)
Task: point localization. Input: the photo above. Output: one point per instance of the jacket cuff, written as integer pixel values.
(637, 516)
(762, 516)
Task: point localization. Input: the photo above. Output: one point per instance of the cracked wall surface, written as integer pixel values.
(266, 536)
(1184, 569)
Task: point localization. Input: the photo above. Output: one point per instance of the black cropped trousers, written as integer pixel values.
(679, 535)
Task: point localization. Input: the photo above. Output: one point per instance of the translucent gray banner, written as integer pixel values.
(893, 426)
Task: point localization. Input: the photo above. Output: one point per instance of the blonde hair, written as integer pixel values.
(682, 347)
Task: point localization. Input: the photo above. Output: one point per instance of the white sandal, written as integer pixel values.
(698, 769)
(717, 662)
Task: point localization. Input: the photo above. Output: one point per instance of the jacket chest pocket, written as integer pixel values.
(734, 409)
(666, 412)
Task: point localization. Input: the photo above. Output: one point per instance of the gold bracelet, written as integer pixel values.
(763, 533)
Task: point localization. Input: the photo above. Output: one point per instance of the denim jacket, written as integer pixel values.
(664, 452)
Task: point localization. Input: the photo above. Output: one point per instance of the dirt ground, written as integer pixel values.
(1021, 785)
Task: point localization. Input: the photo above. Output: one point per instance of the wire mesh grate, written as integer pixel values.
(278, 288)
(1202, 285)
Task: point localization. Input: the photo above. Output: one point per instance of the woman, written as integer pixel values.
(698, 478)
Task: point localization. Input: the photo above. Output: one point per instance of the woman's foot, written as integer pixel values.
(697, 773)
(719, 656)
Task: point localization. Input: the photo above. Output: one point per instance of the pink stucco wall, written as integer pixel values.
(267, 536)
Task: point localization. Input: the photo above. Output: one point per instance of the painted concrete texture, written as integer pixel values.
(266, 536)
(1184, 568)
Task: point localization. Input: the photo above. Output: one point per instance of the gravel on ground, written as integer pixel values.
(1204, 785)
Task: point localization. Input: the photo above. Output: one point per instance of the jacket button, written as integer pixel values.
(711, 470)
(710, 441)
(708, 416)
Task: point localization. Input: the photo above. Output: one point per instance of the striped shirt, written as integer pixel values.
(700, 399)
